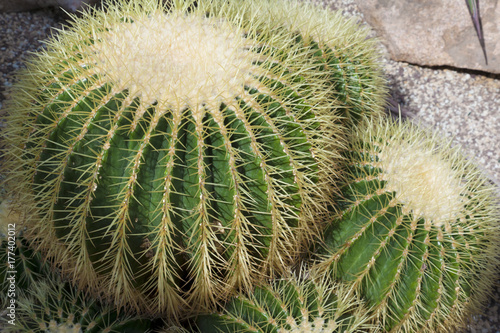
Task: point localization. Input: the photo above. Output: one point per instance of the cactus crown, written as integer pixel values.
(185, 61)
(430, 178)
(421, 173)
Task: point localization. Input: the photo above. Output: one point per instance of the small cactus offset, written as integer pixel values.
(51, 305)
(175, 153)
(41, 302)
(20, 266)
(418, 232)
(300, 304)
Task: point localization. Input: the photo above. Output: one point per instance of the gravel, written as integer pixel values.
(462, 105)
(20, 34)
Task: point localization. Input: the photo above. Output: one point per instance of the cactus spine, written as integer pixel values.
(21, 265)
(293, 304)
(175, 153)
(417, 233)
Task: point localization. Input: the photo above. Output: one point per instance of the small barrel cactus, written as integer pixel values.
(300, 304)
(418, 233)
(175, 153)
(41, 302)
(51, 305)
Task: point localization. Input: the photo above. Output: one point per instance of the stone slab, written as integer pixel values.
(436, 32)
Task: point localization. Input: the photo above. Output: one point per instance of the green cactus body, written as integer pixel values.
(43, 303)
(20, 264)
(293, 304)
(417, 234)
(56, 307)
(175, 154)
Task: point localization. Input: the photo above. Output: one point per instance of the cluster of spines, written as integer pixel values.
(21, 265)
(419, 274)
(44, 303)
(344, 55)
(50, 305)
(293, 304)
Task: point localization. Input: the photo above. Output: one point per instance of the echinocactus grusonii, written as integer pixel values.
(300, 303)
(417, 233)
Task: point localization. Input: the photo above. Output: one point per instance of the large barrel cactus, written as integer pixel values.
(171, 154)
(418, 232)
(36, 300)
(298, 304)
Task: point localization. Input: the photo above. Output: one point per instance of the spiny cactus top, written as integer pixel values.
(344, 53)
(418, 233)
(293, 305)
(173, 153)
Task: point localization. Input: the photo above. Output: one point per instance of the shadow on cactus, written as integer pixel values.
(174, 154)
(301, 304)
(418, 233)
(21, 266)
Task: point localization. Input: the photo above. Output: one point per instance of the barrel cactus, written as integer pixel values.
(173, 153)
(37, 300)
(51, 305)
(344, 53)
(418, 231)
(299, 304)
